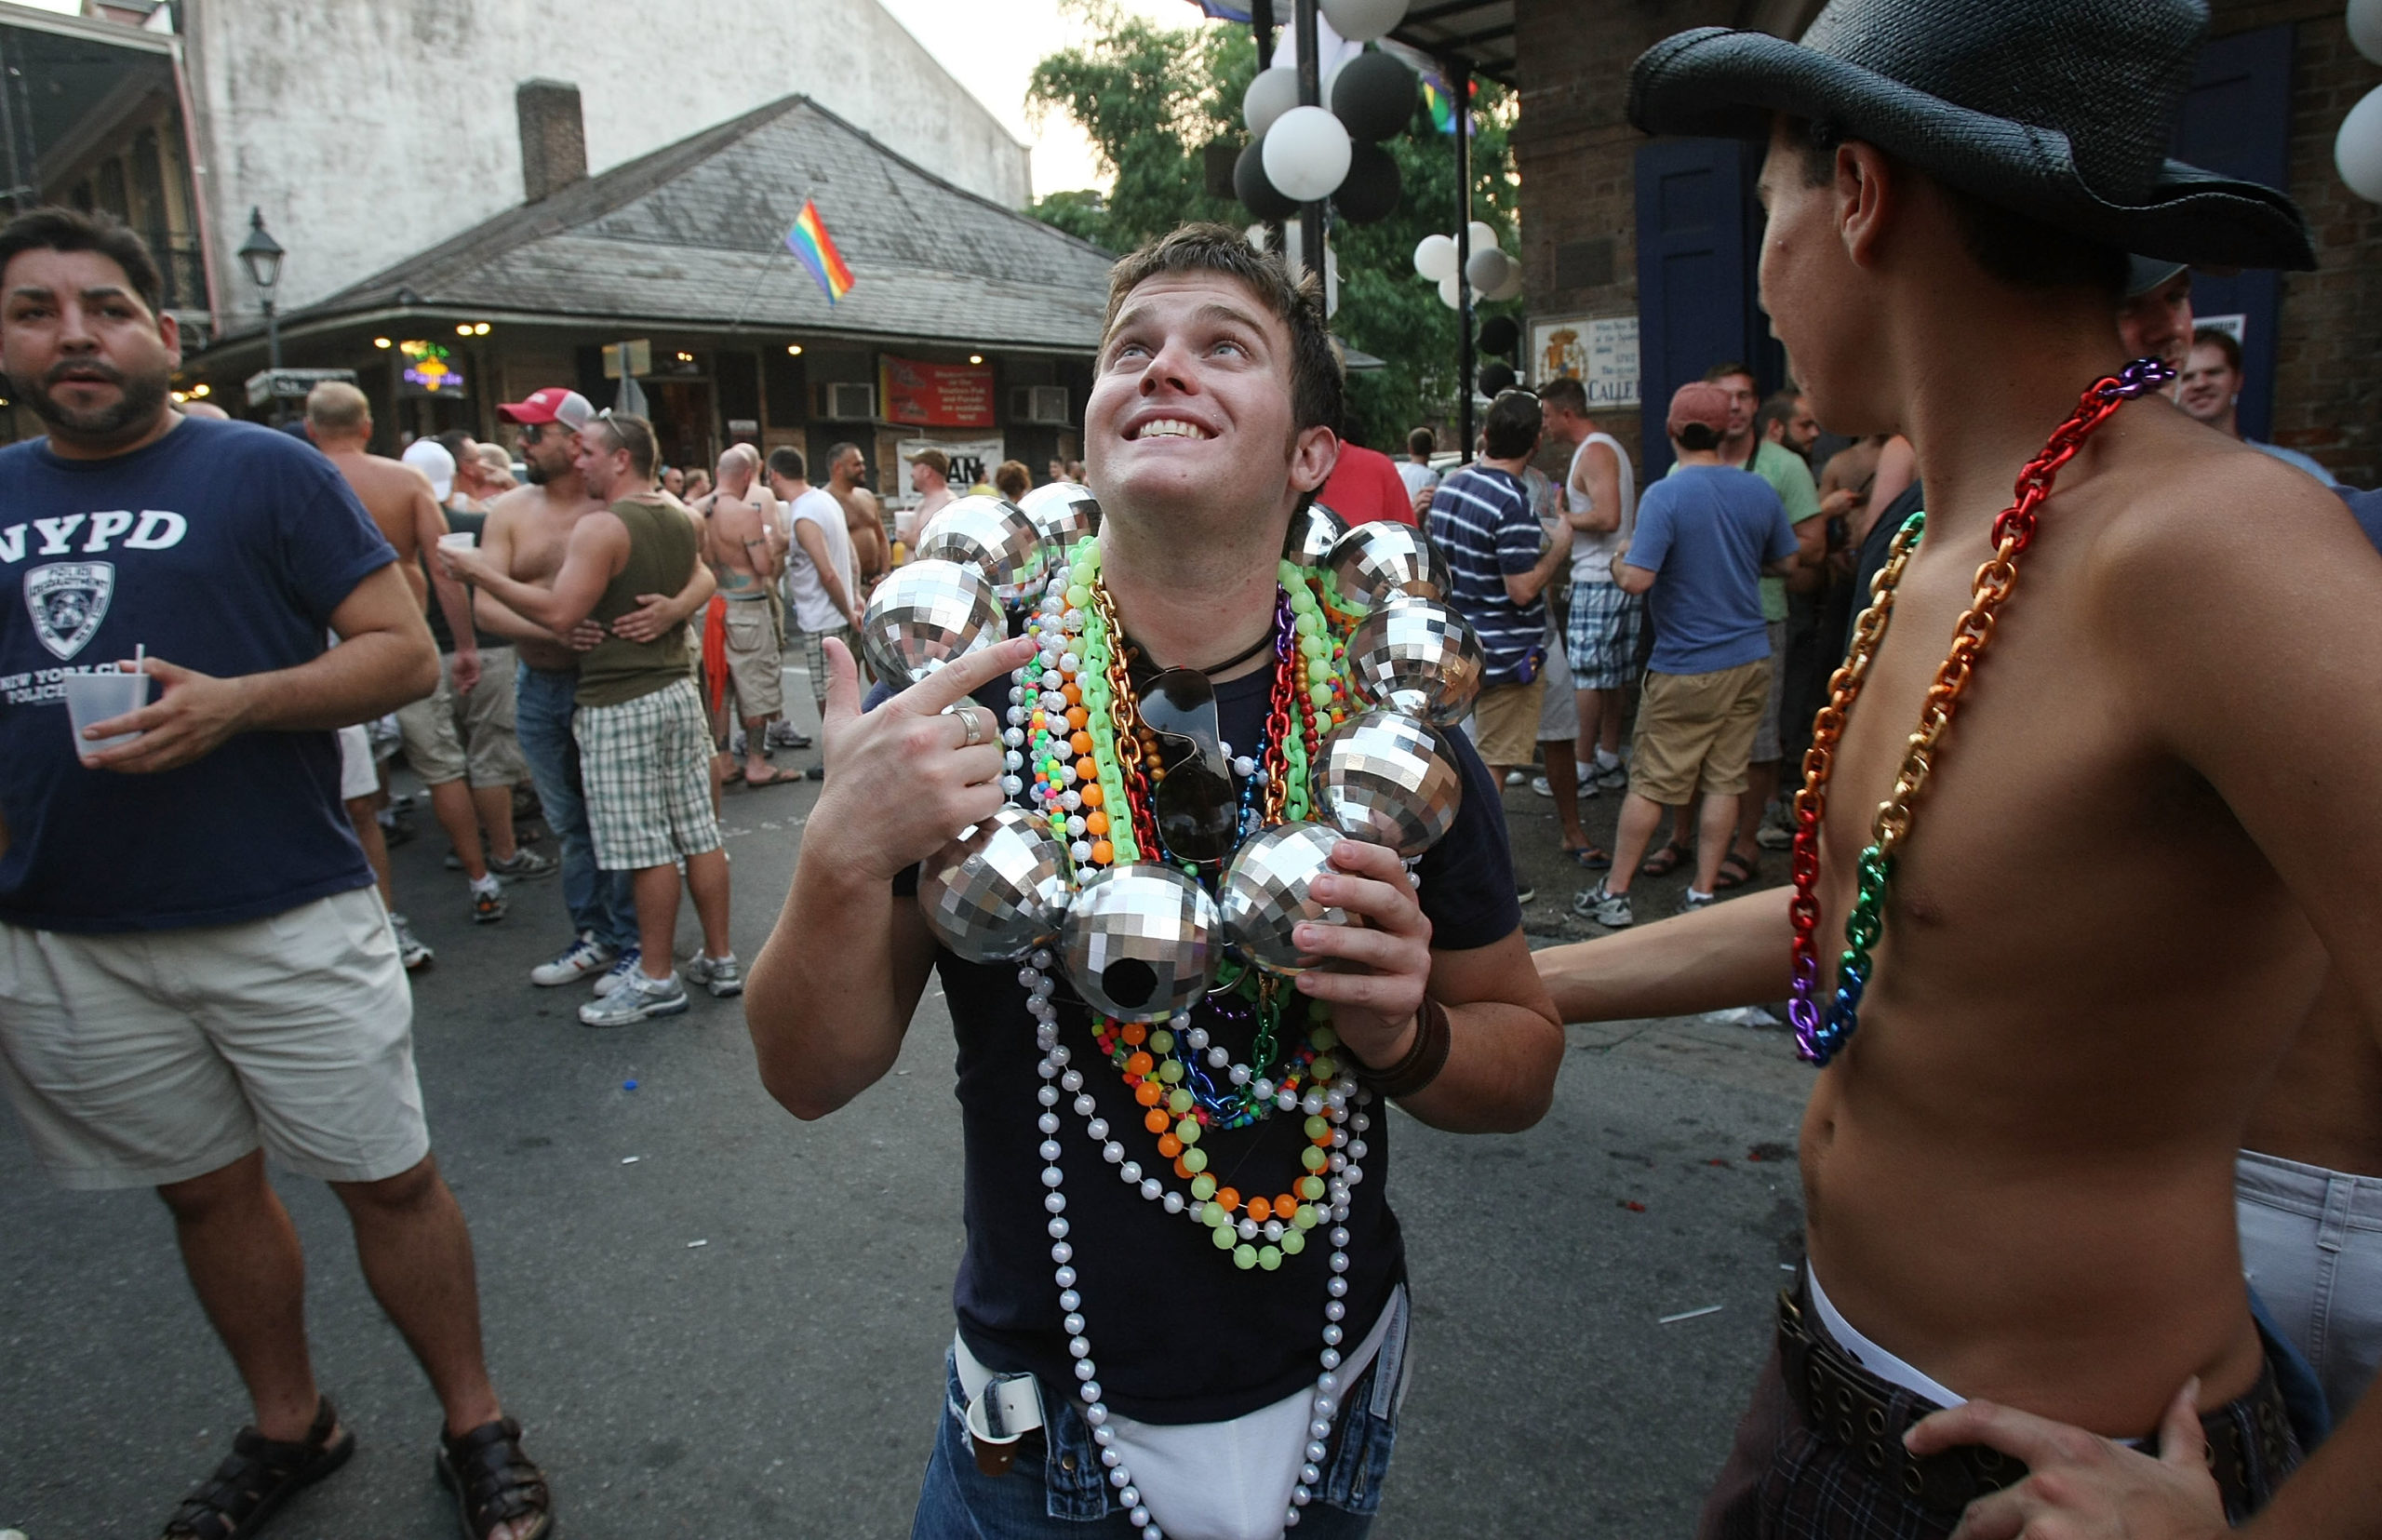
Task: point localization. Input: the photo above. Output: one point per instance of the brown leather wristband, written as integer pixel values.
(1424, 1059)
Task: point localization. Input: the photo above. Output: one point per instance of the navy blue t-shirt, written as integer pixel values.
(1179, 1334)
(223, 547)
(1705, 532)
(1482, 522)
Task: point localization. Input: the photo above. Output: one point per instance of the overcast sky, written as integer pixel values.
(993, 62)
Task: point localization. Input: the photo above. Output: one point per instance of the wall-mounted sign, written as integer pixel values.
(1600, 352)
(970, 463)
(291, 384)
(935, 395)
(429, 369)
(640, 358)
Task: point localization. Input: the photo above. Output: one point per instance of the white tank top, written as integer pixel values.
(1592, 554)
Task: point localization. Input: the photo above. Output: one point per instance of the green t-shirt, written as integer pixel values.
(1791, 480)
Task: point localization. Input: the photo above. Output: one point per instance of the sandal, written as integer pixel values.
(493, 1482)
(1735, 872)
(775, 778)
(257, 1477)
(1594, 858)
(1663, 862)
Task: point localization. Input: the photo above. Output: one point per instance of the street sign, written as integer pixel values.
(640, 359)
(291, 384)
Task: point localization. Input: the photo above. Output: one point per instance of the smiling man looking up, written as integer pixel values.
(1208, 426)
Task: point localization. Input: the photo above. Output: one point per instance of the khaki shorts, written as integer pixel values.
(1696, 732)
(144, 1058)
(1765, 733)
(448, 739)
(753, 660)
(1504, 723)
(647, 766)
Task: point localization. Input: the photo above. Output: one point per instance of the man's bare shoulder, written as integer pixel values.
(2189, 509)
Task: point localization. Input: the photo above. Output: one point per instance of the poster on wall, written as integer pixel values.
(1599, 351)
(935, 395)
(970, 463)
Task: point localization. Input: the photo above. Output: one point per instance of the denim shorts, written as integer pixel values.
(1057, 1489)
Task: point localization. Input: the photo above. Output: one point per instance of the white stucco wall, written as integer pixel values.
(368, 130)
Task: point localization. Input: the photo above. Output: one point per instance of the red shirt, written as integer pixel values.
(1365, 487)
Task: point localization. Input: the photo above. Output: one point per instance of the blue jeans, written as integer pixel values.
(599, 902)
(1065, 1495)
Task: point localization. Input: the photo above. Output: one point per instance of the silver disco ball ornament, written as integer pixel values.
(1314, 530)
(927, 614)
(993, 535)
(1266, 892)
(1390, 779)
(1065, 511)
(998, 890)
(1375, 560)
(1417, 656)
(1139, 941)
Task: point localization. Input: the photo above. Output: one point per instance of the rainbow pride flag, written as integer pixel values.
(1440, 99)
(808, 240)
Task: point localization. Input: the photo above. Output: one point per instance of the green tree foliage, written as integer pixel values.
(1152, 99)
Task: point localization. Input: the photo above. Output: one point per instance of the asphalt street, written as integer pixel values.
(717, 1321)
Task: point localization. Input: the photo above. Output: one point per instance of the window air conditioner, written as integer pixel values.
(852, 402)
(1038, 404)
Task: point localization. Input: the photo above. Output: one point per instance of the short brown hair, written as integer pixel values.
(1718, 372)
(633, 434)
(2222, 342)
(1013, 479)
(1567, 392)
(50, 228)
(338, 409)
(1316, 386)
(1511, 428)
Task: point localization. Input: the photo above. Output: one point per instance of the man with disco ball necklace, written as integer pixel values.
(1182, 996)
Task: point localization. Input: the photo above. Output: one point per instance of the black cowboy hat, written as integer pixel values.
(2059, 110)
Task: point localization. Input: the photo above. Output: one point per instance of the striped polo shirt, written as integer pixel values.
(1482, 522)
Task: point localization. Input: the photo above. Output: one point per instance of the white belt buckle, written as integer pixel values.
(1005, 1411)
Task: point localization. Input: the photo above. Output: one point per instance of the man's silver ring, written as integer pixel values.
(972, 724)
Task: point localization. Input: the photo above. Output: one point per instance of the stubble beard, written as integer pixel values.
(139, 398)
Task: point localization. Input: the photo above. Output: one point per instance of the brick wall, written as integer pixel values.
(2328, 371)
(1573, 149)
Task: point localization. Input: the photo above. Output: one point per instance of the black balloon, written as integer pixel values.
(1257, 193)
(1372, 187)
(1496, 377)
(1373, 98)
(1500, 336)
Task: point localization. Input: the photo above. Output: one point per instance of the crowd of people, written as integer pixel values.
(2060, 1115)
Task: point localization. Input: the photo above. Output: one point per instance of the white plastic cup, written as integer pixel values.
(460, 540)
(92, 698)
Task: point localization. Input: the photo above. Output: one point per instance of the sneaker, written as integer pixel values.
(488, 906)
(636, 999)
(816, 772)
(1524, 892)
(1613, 777)
(396, 831)
(1513, 778)
(1609, 910)
(1769, 837)
(582, 957)
(722, 976)
(620, 972)
(526, 865)
(410, 951)
(1691, 901)
(783, 736)
(1541, 787)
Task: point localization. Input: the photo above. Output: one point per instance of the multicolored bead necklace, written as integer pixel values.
(1819, 1038)
(1073, 724)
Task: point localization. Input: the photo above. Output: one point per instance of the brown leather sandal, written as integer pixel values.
(494, 1483)
(257, 1477)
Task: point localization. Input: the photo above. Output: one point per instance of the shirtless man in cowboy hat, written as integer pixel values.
(2113, 902)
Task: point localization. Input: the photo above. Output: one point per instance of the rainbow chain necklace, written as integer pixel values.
(1819, 1038)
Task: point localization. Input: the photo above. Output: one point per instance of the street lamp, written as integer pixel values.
(261, 254)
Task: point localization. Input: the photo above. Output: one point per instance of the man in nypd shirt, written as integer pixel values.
(195, 966)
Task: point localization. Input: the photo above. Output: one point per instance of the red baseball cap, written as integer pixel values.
(552, 405)
(1699, 402)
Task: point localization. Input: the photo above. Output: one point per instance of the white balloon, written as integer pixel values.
(2358, 150)
(1482, 236)
(1362, 20)
(1448, 295)
(1486, 268)
(1307, 153)
(2366, 28)
(1512, 288)
(1274, 92)
(1435, 257)
(1256, 234)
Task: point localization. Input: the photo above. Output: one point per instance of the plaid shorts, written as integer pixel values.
(814, 659)
(1606, 637)
(646, 765)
